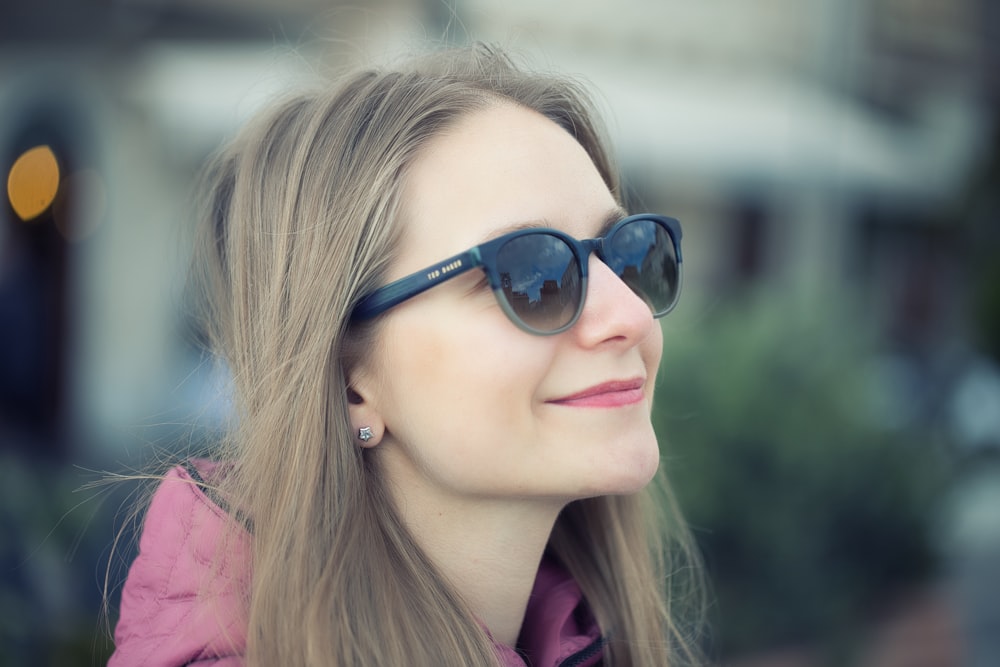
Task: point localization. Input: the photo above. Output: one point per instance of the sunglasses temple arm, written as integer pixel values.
(410, 286)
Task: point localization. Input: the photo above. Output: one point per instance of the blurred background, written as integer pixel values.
(829, 403)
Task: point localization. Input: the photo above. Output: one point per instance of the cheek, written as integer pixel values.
(652, 349)
(458, 403)
(472, 376)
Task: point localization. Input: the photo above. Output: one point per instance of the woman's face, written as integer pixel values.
(473, 407)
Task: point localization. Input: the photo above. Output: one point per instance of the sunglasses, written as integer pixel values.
(539, 275)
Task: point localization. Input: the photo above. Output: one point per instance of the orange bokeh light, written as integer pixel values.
(33, 182)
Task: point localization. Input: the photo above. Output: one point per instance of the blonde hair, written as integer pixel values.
(301, 221)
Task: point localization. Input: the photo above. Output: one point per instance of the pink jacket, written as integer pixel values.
(164, 622)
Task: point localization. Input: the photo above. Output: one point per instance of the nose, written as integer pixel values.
(612, 312)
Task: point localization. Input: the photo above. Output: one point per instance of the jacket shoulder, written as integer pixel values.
(182, 601)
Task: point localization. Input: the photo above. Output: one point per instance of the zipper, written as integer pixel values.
(584, 654)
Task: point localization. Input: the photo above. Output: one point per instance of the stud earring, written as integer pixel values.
(365, 433)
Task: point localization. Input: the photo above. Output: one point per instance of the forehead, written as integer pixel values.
(497, 167)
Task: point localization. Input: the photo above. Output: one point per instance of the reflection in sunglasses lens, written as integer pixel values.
(540, 279)
(642, 254)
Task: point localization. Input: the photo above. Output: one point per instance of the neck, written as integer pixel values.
(488, 550)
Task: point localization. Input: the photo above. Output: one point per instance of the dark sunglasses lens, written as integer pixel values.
(540, 278)
(643, 255)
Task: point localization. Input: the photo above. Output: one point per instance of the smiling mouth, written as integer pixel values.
(612, 394)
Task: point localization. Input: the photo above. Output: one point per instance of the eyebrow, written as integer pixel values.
(610, 218)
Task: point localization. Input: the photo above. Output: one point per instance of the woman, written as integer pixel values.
(443, 430)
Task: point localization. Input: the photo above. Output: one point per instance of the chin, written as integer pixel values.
(628, 474)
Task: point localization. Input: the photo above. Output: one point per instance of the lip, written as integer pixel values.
(612, 394)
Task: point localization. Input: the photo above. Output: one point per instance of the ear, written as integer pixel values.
(367, 427)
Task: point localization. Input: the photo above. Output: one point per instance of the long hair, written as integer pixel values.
(301, 219)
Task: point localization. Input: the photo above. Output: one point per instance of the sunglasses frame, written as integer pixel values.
(484, 256)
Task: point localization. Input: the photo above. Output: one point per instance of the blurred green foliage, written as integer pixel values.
(809, 509)
(978, 209)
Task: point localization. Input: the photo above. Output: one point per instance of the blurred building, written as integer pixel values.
(803, 143)
(96, 358)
